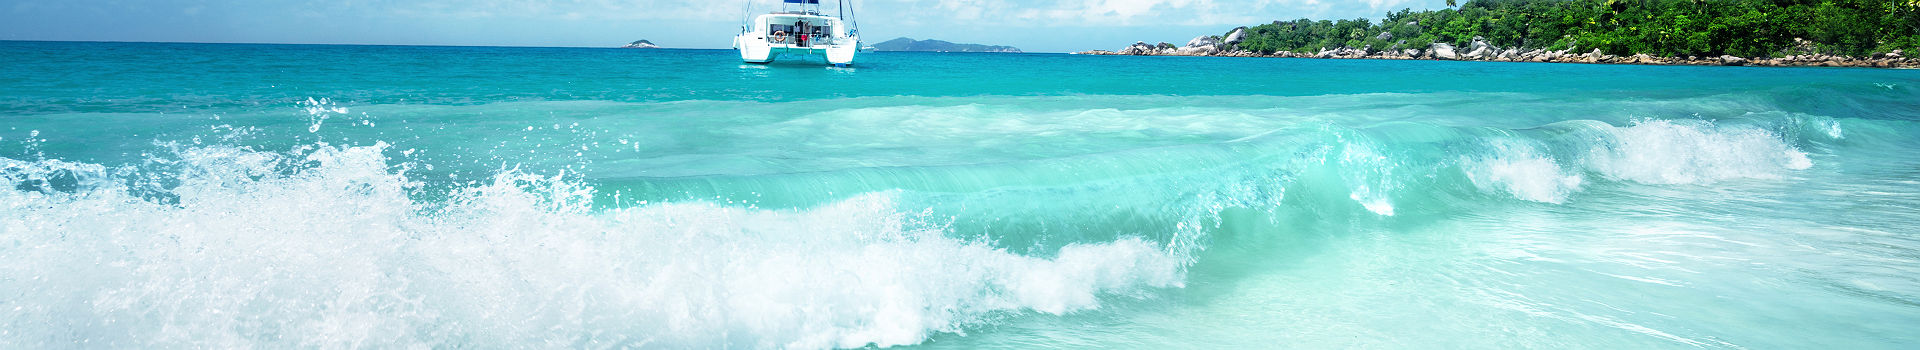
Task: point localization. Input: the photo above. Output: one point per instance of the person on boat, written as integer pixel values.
(800, 33)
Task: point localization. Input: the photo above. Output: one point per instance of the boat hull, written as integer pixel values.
(752, 52)
(758, 51)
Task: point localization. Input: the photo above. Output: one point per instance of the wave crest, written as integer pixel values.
(1661, 152)
(335, 247)
(1693, 152)
(1522, 170)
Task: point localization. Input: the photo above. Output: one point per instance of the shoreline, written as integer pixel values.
(1480, 51)
(1586, 58)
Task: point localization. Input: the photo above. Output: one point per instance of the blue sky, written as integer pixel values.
(1037, 25)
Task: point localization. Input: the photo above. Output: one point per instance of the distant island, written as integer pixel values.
(907, 44)
(1841, 33)
(641, 44)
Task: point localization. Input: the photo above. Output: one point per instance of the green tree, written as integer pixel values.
(1659, 27)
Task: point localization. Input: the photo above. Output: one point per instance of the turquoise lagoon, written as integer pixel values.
(276, 196)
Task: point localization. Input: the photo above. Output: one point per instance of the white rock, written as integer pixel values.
(1442, 51)
(1238, 35)
(1203, 40)
(1480, 43)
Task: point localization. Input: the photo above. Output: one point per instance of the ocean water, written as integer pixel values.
(276, 196)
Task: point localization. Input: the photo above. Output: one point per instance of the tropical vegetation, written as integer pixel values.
(1672, 28)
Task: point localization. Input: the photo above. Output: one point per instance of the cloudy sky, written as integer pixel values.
(1033, 25)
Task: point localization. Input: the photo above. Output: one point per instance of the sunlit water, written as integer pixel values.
(190, 196)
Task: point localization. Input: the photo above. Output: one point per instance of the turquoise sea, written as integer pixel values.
(289, 196)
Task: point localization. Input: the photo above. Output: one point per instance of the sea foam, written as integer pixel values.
(1660, 152)
(1693, 152)
(1522, 170)
(335, 247)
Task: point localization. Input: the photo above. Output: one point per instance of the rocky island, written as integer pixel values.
(908, 44)
(641, 44)
(1600, 31)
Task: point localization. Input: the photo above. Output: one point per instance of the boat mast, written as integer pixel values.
(848, 13)
(746, 18)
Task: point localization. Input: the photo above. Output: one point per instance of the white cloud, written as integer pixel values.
(1070, 12)
(707, 10)
(1019, 13)
(1006, 13)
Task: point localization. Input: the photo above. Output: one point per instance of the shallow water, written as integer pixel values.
(197, 195)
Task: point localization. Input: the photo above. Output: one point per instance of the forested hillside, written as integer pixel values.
(1672, 28)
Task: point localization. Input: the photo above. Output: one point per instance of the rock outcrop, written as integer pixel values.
(1233, 39)
(1480, 49)
(641, 44)
(1200, 46)
(1138, 48)
(1443, 51)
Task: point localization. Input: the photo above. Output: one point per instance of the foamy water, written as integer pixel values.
(259, 251)
(928, 205)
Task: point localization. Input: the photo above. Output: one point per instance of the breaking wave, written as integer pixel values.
(334, 247)
(341, 246)
(1663, 152)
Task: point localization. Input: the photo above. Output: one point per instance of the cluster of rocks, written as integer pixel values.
(1207, 45)
(1481, 50)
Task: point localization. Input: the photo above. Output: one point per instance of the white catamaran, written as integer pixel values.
(800, 30)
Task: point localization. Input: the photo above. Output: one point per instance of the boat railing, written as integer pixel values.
(785, 34)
